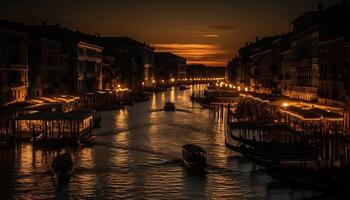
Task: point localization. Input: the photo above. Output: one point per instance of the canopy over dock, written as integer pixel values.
(53, 125)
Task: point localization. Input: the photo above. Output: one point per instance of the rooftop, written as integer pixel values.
(50, 116)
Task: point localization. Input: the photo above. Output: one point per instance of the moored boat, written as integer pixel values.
(62, 165)
(207, 105)
(184, 87)
(89, 140)
(169, 106)
(194, 157)
(97, 122)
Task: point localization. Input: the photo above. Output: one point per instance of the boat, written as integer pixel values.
(97, 122)
(184, 87)
(207, 105)
(38, 138)
(194, 157)
(62, 166)
(89, 140)
(169, 106)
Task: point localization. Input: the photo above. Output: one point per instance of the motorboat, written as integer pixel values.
(194, 157)
(169, 106)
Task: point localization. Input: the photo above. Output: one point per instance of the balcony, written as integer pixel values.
(16, 84)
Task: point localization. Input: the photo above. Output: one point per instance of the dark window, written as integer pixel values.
(81, 51)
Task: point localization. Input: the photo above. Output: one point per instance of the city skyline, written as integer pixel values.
(151, 99)
(207, 32)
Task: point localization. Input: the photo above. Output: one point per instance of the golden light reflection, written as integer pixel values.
(26, 158)
(172, 95)
(162, 97)
(121, 119)
(153, 102)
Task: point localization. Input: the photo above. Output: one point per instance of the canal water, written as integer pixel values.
(137, 155)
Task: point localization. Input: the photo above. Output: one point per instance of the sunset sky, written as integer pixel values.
(204, 31)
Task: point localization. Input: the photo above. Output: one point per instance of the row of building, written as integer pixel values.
(44, 60)
(311, 63)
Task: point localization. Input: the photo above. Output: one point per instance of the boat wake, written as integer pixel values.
(178, 110)
(141, 126)
(183, 110)
(157, 110)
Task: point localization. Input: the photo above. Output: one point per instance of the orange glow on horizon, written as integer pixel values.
(207, 54)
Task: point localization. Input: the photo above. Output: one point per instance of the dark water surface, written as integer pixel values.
(138, 156)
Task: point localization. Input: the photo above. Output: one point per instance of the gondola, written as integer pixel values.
(62, 166)
(276, 146)
(194, 157)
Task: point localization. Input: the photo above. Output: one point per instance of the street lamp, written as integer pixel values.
(246, 89)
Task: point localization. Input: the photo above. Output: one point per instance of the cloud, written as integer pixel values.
(209, 54)
(225, 27)
(210, 35)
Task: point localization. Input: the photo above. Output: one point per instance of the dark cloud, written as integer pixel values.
(225, 27)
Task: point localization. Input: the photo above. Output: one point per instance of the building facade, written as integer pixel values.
(169, 66)
(13, 66)
(135, 60)
(304, 44)
(88, 66)
(45, 67)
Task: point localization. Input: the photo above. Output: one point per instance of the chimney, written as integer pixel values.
(320, 6)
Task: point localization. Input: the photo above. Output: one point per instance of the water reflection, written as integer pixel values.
(138, 155)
